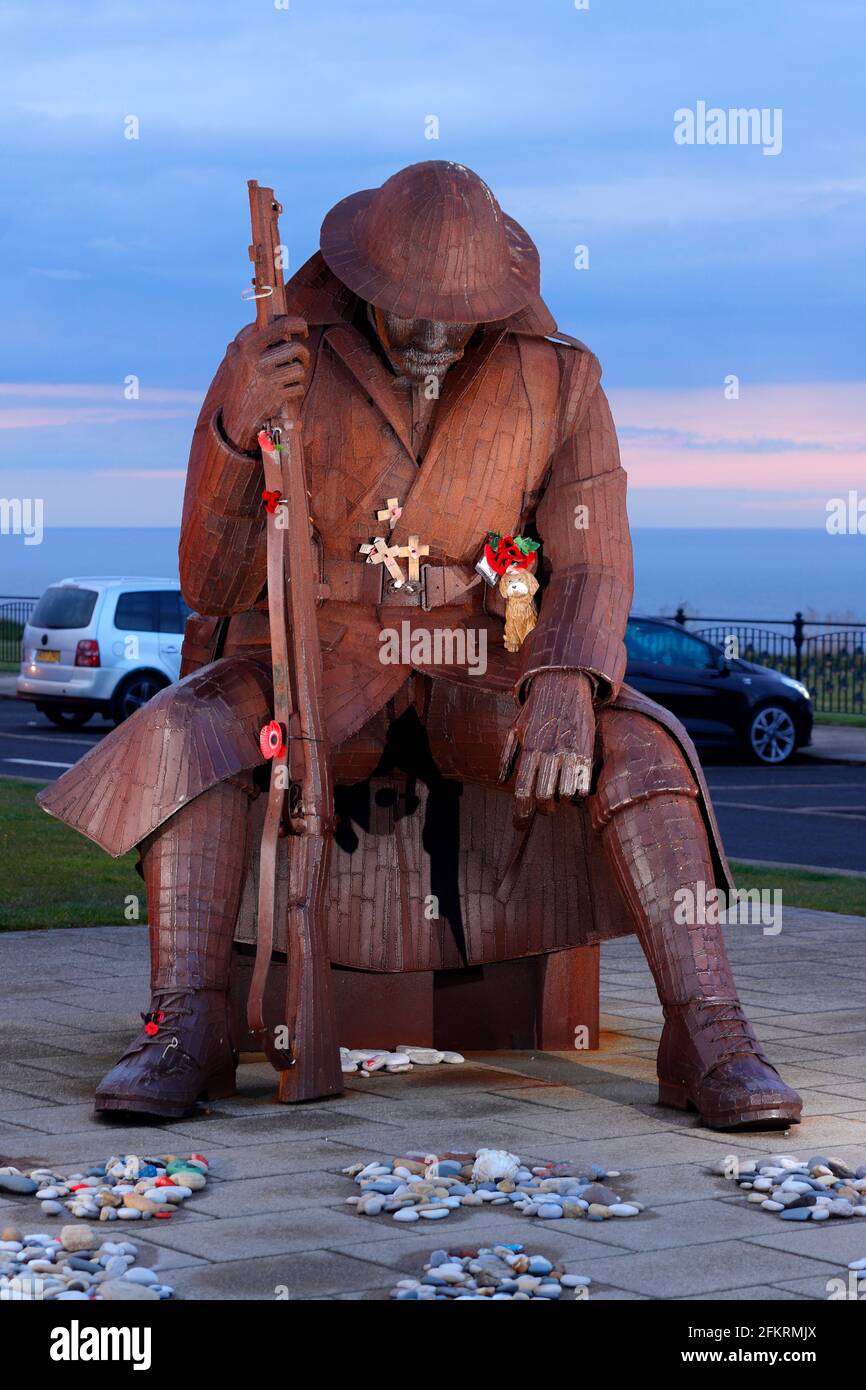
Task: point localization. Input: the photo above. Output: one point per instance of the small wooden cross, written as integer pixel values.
(413, 551)
(391, 513)
(381, 554)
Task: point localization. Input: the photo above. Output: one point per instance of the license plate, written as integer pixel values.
(47, 656)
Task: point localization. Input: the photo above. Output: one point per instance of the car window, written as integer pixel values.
(666, 646)
(64, 606)
(173, 612)
(138, 611)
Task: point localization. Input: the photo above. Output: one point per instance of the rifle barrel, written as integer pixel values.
(266, 254)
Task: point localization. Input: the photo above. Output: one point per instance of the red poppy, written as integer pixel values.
(271, 740)
(504, 554)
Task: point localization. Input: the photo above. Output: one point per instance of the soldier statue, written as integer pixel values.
(444, 418)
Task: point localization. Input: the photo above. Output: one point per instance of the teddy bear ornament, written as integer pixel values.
(507, 561)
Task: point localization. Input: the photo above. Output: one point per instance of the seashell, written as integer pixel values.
(492, 1164)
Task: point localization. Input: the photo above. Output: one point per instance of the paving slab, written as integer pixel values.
(318, 1274)
(688, 1271)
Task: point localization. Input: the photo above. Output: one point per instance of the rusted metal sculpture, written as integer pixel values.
(441, 412)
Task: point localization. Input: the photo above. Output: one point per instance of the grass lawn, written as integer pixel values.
(827, 892)
(850, 721)
(57, 878)
(54, 877)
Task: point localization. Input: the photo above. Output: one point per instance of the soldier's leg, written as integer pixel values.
(193, 868)
(646, 811)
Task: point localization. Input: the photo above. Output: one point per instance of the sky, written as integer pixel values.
(706, 262)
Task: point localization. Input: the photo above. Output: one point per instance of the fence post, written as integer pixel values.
(798, 645)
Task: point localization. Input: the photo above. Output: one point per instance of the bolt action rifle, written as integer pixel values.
(299, 815)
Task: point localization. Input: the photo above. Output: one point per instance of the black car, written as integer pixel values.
(724, 703)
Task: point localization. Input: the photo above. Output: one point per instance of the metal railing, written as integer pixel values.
(14, 613)
(830, 662)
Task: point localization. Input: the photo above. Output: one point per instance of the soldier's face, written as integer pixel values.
(421, 348)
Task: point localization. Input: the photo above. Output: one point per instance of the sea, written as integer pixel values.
(725, 573)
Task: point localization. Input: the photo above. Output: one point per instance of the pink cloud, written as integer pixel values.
(84, 391)
(35, 405)
(773, 437)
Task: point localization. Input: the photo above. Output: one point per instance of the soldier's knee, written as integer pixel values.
(639, 759)
(226, 691)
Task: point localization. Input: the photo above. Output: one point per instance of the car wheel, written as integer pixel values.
(772, 735)
(65, 718)
(135, 691)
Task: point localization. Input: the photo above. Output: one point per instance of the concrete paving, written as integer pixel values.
(273, 1223)
(836, 743)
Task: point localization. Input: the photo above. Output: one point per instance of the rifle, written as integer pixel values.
(304, 1049)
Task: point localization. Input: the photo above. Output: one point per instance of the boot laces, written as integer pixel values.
(723, 1026)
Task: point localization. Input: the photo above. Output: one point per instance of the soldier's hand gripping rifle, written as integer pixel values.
(303, 1046)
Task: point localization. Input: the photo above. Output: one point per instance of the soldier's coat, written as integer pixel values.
(522, 437)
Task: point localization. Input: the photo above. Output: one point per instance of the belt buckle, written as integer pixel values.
(411, 593)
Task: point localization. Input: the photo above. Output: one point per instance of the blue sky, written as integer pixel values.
(128, 256)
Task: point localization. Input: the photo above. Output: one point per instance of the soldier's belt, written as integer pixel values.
(350, 582)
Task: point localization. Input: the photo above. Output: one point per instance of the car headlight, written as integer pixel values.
(798, 686)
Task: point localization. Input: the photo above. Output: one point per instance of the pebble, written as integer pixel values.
(490, 1273)
(364, 1061)
(192, 1178)
(17, 1183)
(74, 1238)
(814, 1189)
(414, 1185)
(121, 1290)
(421, 1056)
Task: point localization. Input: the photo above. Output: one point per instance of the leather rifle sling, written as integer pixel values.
(266, 917)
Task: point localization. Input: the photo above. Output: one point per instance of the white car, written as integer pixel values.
(101, 646)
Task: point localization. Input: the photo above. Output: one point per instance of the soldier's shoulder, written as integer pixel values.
(572, 350)
(315, 293)
(579, 366)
